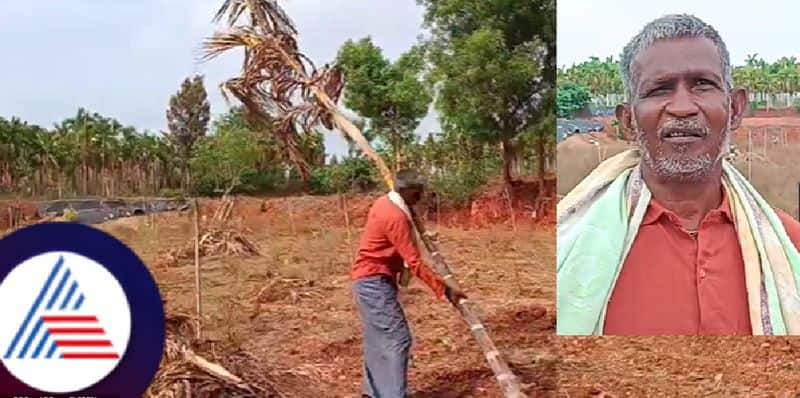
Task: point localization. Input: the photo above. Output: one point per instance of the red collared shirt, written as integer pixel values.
(673, 283)
(388, 240)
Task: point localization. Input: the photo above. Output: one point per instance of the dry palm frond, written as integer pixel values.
(284, 290)
(216, 239)
(278, 82)
(263, 12)
(267, 96)
(227, 242)
(184, 373)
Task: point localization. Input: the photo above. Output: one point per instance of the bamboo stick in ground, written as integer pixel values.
(197, 286)
(343, 202)
(291, 217)
(438, 214)
(511, 209)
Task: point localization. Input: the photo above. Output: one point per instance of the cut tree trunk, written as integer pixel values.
(396, 152)
(541, 152)
(508, 159)
(85, 176)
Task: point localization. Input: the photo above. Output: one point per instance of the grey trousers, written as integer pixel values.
(387, 338)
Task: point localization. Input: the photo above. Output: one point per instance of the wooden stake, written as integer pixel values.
(291, 217)
(750, 155)
(197, 286)
(343, 201)
(511, 208)
(599, 154)
(438, 213)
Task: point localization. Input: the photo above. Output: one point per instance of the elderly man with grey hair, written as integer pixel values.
(388, 256)
(669, 238)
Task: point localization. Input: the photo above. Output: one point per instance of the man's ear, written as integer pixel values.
(625, 117)
(739, 102)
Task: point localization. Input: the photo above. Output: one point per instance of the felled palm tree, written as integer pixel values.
(279, 83)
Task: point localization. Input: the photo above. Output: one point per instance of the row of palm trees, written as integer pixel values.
(601, 77)
(86, 154)
(762, 78)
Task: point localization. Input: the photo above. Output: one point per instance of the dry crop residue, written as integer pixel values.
(292, 308)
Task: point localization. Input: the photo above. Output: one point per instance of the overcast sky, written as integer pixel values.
(125, 58)
(602, 28)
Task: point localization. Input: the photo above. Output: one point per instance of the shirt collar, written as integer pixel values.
(656, 210)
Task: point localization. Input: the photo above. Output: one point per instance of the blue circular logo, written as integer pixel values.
(81, 314)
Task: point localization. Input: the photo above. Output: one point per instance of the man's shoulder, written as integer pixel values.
(384, 209)
(791, 225)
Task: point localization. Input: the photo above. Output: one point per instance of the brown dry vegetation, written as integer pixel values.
(291, 311)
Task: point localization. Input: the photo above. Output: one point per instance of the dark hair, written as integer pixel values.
(670, 27)
(407, 178)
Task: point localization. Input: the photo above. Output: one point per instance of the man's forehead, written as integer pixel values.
(678, 56)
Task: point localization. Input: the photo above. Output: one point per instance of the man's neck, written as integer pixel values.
(689, 200)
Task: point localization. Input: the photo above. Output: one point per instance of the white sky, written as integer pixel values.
(770, 28)
(125, 58)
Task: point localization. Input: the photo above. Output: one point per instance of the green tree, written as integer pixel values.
(390, 95)
(494, 67)
(601, 78)
(571, 98)
(187, 118)
(241, 155)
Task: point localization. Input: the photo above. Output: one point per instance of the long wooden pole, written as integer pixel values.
(197, 286)
(509, 383)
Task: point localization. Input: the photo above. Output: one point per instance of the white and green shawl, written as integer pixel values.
(599, 219)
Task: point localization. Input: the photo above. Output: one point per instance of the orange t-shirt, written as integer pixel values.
(674, 284)
(388, 240)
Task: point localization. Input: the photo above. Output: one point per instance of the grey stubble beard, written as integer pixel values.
(682, 168)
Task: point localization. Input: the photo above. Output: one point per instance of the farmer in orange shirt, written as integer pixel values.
(387, 251)
(669, 238)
